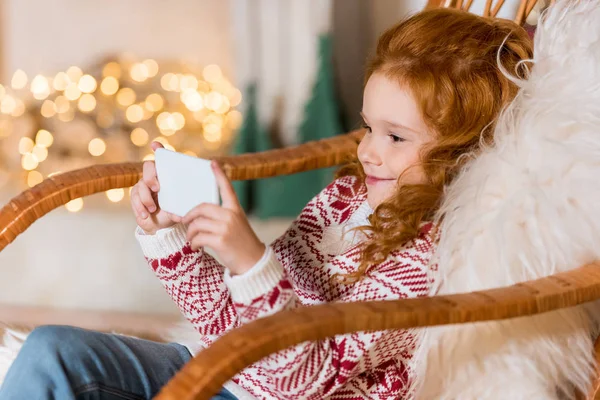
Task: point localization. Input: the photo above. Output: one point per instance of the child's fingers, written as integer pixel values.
(156, 145)
(134, 200)
(203, 226)
(201, 240)
(174, 218)
(228, 195)
(138, 208)
(206, 210)
(149, 175)
(146, 198)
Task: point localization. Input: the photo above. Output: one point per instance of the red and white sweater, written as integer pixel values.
(294, 272)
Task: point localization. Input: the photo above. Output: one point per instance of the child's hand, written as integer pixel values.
(225, 229)
(144, 200)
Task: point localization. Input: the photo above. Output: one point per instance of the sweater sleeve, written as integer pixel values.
(313, 370)
(193, 279)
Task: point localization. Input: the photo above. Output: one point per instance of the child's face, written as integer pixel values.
(395, 136)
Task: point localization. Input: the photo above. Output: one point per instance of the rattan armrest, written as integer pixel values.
(205, 375)
(27, 207)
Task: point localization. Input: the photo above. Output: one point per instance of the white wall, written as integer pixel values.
(45, 36)
(386, 13)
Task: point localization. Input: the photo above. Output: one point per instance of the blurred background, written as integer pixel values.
(94, 82)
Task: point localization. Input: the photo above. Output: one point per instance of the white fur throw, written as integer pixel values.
(527, 208)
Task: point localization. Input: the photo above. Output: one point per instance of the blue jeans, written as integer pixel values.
(67, 363)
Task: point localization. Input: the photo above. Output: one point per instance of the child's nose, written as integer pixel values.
(367, 153)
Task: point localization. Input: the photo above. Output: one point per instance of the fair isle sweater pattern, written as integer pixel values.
(295, 271)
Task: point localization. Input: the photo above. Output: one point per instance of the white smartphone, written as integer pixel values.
(185, 182)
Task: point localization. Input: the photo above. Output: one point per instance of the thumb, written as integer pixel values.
(156, 145)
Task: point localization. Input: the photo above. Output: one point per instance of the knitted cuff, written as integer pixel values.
(163, 243)
(257, 281)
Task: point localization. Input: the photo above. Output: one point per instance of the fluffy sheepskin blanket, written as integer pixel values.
(527, 208)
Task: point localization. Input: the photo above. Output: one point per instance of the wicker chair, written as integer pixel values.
(208, 371)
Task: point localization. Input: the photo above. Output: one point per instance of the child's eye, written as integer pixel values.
(396, 138)
(367, 127)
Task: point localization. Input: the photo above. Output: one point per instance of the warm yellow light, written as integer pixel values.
(25, 145)
(54, 174)
(2, 91)
(67, 116)
(139, 72)
(139, 137)
(48, 109)
(40, 153)
(62, 104)
(188, 82)
(8, 104)
(72, 92)
(19, 108)
(87, 84)
(115, 195)
(97, 147)
(29, 161)
(179, 120)
(212, 73)
(162, 140)
(19, 79)
(213, 100)
(39, 84)
(224, 107)
(192, 100)
(40, 87)
(167, 131)
(212, 129)
(74, 73)
(134, 113)
(126, 97)
(109, 85)
(212, 135)
(154, 102)
(34, 178)
(44, 138)
(87, 102)
(112, 69)
(203, 87)
(234, 119)
(161, 120)
(169, 82)
(190, 153)
(200, 115)
(74, 205)
(213, 119)
(149, 157)
(61, 81)
(152, 67)
(167, 123)
(235, 97)
(147, 114)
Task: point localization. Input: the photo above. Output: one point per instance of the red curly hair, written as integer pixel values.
(448, 59)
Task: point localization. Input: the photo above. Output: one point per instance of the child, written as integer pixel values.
(432, 94)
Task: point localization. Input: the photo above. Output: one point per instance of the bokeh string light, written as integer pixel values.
(110, 113)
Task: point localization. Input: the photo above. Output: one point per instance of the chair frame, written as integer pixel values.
(206, 373)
